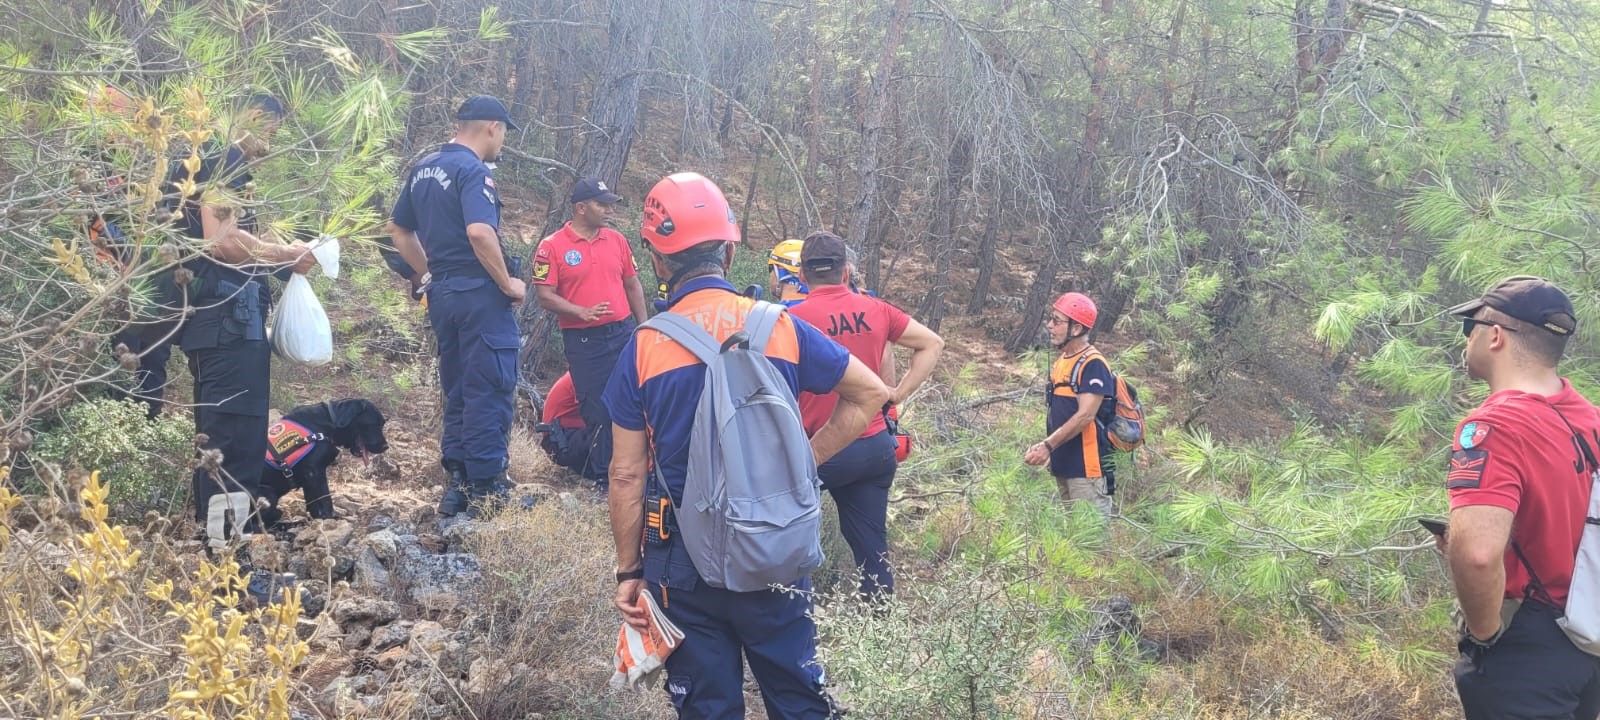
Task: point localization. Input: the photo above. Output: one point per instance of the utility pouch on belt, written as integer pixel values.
(244, 303)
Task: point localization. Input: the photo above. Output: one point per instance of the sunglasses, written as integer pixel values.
(1467, 324)
(1057, 321)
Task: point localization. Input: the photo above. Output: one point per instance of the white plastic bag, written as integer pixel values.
(326, 248)
(300, 331)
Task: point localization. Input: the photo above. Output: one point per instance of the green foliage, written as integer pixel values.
(962, 654)
(142, 461)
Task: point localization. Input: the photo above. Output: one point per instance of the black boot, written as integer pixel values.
(455, 490)
(488, 495)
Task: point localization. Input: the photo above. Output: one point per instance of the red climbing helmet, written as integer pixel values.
(1078, 308)
(684, 210)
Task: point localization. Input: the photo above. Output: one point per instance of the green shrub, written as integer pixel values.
(145, 462)
(955, 648)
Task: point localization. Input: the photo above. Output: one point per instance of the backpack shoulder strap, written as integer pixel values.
(687, 333)
(760, 323)
(1077, 367)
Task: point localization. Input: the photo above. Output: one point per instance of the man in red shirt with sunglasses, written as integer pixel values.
(1519, 482)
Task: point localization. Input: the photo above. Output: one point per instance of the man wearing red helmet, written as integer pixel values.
(652, 398)
(1080, 383)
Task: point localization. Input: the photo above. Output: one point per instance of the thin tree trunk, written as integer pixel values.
(750, 192)
(986, 256)
(942, 236)
(1170, 72)
(1078, 193)
(876, 122)
(815, 116)
(613, 112)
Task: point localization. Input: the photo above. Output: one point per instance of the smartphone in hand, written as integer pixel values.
(1437, 527)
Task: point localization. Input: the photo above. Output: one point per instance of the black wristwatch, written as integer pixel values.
(635, 574)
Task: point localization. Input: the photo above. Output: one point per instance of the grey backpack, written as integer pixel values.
(751, 515)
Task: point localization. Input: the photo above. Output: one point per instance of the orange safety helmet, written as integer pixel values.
(684, 210)
(1078, 308)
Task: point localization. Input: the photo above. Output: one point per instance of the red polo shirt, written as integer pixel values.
(561, 405)
(1514, 452)
(864, 325)
(586, 272)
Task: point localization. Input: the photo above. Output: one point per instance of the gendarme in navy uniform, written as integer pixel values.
(446, 224)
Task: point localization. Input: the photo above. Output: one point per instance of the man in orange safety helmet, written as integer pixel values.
(1080, 383)
(652, 397)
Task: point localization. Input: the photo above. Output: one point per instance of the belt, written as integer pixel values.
(462, 275)
(609, 328)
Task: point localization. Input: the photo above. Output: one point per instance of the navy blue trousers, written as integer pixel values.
(592, 354)
(859, 478)
(150, 380)
(478, 343)
(772, 630)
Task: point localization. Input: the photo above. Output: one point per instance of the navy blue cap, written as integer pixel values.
(1529, 299)
(265, 103)
(485, 107)
(590, 189)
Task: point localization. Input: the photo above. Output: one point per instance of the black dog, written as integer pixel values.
(302, 446)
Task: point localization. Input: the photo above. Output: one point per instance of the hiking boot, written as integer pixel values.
(486, 496)
(455, 490)
(269, 588)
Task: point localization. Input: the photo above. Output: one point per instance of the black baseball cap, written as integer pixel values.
(1529, 299)
(824, 252)
(485, 107)
(591, 189)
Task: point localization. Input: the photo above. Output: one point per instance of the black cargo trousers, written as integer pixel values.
(1533, 672)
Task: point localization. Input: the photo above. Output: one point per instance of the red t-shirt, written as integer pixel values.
(586, 272)
(1515, 452)
(864, 325)
(561, 405)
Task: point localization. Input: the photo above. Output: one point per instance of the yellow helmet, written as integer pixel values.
(786, 255)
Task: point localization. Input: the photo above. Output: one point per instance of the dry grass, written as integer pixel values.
(547, 620)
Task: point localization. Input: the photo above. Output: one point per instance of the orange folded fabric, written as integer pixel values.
(641, 655)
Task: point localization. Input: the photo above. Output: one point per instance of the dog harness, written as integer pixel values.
(289, 442)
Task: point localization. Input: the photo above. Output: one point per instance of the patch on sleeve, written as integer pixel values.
(1472, 435)
(541, 270)
(1466, 469)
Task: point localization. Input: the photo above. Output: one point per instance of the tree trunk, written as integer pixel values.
(986, 253)
(875, 124)
(942, 235)
(1078, 194)
(815, 116)
(750, 192)
(883, 216)
(614, 110)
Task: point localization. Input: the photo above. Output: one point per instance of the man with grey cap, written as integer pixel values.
(1519, 483)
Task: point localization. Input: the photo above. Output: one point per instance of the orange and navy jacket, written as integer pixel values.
(656, 385)
(1078, 457)
(657, 382)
